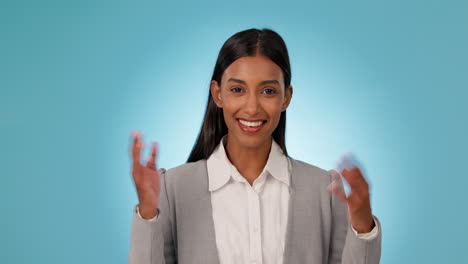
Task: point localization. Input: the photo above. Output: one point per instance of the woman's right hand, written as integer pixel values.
(146, 178)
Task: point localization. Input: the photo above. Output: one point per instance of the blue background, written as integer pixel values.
(386, 80)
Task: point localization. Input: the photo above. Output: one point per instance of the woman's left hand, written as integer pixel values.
(358, 200)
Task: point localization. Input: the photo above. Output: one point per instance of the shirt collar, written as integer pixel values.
(220, 168)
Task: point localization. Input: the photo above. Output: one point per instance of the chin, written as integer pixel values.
(251, 141)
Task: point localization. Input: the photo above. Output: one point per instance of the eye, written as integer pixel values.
(270, 91)
(236, 89)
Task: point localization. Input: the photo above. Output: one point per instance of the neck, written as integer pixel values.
(249, 161)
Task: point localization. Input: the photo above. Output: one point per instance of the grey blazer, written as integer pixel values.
(317, 230)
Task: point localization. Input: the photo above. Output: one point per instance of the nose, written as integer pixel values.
(252, 105)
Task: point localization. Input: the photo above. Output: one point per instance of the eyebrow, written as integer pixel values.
(262, 83)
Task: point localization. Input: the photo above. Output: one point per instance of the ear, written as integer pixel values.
(216, 93)
(287, 98)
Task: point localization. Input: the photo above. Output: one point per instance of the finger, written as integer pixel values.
(334, 175)
(338, 192)
(151, 160)
(134, 150)
(353, 176)
(336, 186)
(154, 150)
(344, 163)
(349, 162)
(355, 179)
(137, 147)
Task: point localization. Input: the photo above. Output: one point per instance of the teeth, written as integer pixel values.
(250, 124)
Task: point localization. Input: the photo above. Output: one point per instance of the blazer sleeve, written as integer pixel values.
(345, 246)
(151, 241)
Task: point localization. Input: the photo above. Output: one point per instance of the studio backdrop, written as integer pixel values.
(386, 80)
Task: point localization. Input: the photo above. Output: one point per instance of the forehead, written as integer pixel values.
(253, 69)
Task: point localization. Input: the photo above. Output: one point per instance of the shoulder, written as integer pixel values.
(307, 167)
(187, 168)
(187, 175)
(306, 172)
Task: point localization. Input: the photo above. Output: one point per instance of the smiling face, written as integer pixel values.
(252, 95)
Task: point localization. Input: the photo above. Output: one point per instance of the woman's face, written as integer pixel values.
(252, 95)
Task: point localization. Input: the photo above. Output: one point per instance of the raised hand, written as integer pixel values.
(146, 178)
(358, 200)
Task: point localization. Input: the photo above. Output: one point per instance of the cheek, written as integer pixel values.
(273, 108)
(231, 106)
(229, 111)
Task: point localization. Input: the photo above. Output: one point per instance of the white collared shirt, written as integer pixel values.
(250, 220)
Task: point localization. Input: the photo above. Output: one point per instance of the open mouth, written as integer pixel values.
(251, 126)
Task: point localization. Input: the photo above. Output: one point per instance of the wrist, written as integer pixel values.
(364, 227)
(147, 212)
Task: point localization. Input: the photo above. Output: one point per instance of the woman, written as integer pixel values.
(240, 198)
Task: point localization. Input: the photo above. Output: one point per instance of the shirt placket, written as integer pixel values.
(254, 226)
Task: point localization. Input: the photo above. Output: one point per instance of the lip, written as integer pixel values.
(250, 129)
(256, 120)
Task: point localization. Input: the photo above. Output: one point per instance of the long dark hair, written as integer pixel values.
(242, 44)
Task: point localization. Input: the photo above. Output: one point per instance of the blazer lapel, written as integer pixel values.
(207, 251)
(297, 234)
(298, 231)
